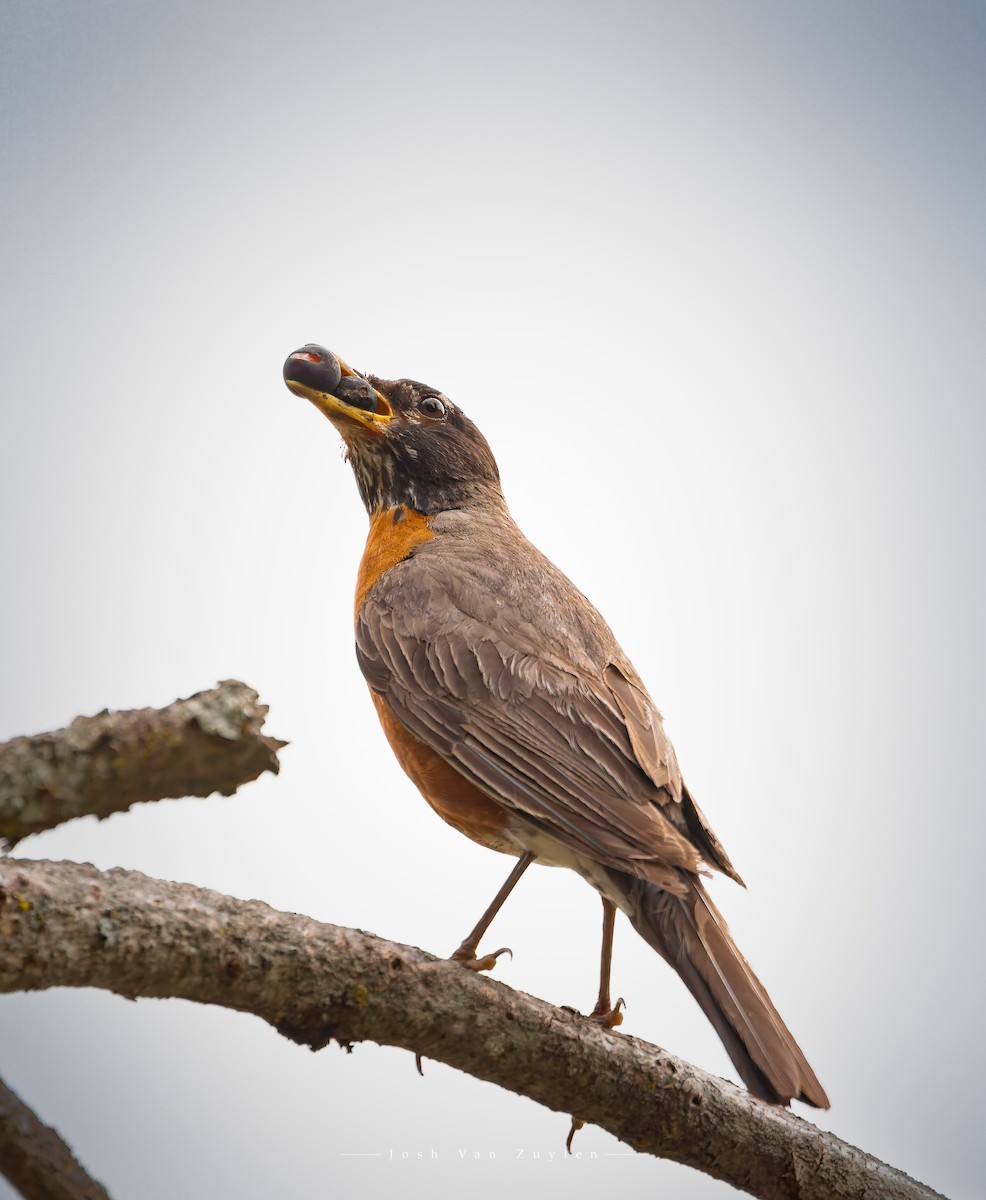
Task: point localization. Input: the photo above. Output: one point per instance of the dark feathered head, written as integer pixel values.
(408, 444)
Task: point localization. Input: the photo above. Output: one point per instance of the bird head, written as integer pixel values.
(408, 444)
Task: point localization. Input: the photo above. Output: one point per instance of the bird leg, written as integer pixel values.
(605, 1013)
(466, 953)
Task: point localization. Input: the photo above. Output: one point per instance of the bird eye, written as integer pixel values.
(431, 406)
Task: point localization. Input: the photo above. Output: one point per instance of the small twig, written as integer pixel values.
(211, 742)
(66, 925)
(35, 1160)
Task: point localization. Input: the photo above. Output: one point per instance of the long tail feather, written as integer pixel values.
(690, 933)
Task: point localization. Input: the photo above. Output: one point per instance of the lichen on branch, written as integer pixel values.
(211, 742)
(69, 925)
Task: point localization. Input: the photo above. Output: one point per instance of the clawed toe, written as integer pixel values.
(577, 1124)
(607, 1015)
(466, 955)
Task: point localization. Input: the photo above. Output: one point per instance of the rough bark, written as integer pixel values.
(211, 742)
(35, 1160)
(66, 925)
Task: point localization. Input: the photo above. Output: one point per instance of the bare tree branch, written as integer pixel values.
(211, 742)
(66, 925)
(35, 1160)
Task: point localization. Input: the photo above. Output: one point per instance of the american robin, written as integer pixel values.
(509, 703)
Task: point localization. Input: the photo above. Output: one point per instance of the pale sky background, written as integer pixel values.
(710, 277)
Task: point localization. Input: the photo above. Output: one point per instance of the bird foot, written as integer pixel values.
(577, 1124)
(466, 955)
(608, 1015)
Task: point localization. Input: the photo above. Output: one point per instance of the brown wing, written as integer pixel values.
(656, 755)
(559, 749)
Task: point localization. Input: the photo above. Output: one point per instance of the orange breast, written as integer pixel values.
(393, 534)
(450, 794)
